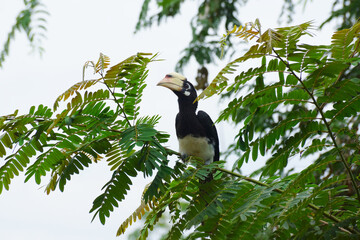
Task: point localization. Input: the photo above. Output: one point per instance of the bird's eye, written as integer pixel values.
(186, 86)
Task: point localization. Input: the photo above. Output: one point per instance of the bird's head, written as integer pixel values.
(180, 86)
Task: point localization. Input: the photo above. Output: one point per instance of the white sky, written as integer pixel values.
(77, 32)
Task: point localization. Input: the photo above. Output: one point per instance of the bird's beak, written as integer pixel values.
(172, 83)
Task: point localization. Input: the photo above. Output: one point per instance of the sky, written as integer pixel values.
(77, 32)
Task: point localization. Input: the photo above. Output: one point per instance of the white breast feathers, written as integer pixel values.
(198, 147)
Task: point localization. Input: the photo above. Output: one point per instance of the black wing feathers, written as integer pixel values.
(210, 130)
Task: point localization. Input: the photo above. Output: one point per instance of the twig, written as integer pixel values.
(116, 101)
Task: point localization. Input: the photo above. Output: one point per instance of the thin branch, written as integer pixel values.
(29, 116)
(116, 101)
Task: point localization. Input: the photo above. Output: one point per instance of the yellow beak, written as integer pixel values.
(172, 81)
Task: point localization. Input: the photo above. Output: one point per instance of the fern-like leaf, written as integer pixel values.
(72, 90)
(102, 63)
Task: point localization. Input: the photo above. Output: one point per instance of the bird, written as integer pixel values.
(195, 132)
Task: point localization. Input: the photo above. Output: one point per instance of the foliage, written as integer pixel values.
(103, 123)
(311, 111)
(298, 103)
(213, 16)
(32, 21)
(347, 11)
(295, 105)
(344, 12)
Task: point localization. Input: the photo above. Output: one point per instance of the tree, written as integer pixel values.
(310, 110)
(213, 16)
(32, 21)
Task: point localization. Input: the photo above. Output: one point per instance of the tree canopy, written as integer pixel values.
(310, 110)
(296, 101)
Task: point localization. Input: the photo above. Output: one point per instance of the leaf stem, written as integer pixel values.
(116, 101)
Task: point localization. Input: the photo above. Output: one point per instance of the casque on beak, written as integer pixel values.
(173, 81)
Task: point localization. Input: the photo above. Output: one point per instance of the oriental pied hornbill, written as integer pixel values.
(196, 132)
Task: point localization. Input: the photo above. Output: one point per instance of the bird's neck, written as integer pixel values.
(187, 107)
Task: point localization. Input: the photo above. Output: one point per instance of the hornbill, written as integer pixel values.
(196, 133)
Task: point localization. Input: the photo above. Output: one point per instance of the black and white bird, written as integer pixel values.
(196, 132)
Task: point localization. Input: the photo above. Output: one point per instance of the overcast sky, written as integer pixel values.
(77, 32)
